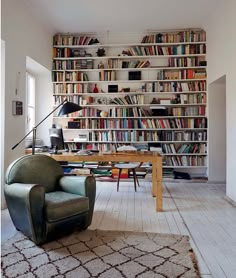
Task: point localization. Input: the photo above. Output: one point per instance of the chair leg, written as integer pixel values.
(118, 182)
(135, 178)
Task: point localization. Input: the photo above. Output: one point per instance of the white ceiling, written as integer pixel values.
(121, 15)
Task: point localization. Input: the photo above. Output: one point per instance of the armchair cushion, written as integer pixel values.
(60, 205)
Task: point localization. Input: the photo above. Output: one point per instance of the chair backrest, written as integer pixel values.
(35, 169)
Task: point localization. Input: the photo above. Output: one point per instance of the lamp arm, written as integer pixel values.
(34, 128)
(65, 100)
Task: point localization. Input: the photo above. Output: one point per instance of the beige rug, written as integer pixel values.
(104, 254)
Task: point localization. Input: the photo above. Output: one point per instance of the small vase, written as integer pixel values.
(95, 89)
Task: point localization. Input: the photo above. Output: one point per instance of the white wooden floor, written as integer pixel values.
(195, 209)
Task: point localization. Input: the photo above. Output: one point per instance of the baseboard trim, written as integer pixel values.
(229, 200)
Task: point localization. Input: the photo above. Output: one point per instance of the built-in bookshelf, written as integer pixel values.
(150, 90)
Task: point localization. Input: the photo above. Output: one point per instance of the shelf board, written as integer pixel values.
(129, 69)
(99, 45)
(156, 106)
(137, 129)
(136, 142)
(144, 117)
(129, 81)
(184, 154)
(130, 57)
(182, 166)
(107, 94)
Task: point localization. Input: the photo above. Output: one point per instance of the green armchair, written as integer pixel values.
(42, 202)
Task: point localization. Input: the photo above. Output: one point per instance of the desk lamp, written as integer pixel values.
(67, 108)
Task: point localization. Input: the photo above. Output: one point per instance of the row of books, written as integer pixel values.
(184, 148)
(175, 135)
(107, 75)
(120, 63)
(123, 136)
(163, 37)
(71, 88)
(69, 39)
(173, 123)
(165, 50)
(131, 112)
(145, 136)
(170, 37)
(58, 76)
(175, 86)
(188, 111)
(186, 160)
(128, 112)
(193, 98)
(102, 123)
(73, 64)
(133, 99)
(68, 52)
(154, 86)
(181, 74)
(186, 61)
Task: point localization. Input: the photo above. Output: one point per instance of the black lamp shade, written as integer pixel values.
(69, 107)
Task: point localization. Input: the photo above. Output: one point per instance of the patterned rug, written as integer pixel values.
(104, 254)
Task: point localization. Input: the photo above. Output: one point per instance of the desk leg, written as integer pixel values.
(157, 183)
(154, 179)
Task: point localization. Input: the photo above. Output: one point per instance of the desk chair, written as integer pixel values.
(129, 165)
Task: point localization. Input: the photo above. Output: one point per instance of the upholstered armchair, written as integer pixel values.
(42, 202)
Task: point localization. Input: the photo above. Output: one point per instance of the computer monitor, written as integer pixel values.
(56, 139)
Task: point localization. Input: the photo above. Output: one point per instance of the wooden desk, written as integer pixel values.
(152, 157)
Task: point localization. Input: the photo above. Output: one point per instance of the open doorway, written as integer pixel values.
(217, 131)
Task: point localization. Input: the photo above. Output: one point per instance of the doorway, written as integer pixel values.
(217, 131)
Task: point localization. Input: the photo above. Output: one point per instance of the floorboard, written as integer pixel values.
(198, 210)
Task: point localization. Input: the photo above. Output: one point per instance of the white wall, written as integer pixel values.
(221, 57)
(24, 37)
(2, 119)
(217, 131)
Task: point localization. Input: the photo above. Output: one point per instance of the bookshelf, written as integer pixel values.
(150, 90)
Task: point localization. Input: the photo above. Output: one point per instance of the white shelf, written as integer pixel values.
(118, 45)
(127, 69)
(184, 154)
(157, 68)
(187, 167)
(107, 118)
(106, 94)
(138, 142)
(138, 129)
(130, 57)
(130, 81)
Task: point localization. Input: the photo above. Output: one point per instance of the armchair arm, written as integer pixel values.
(85, 186)
(25, 203)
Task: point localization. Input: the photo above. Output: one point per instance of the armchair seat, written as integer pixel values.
(43, 203)
(60, 205)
